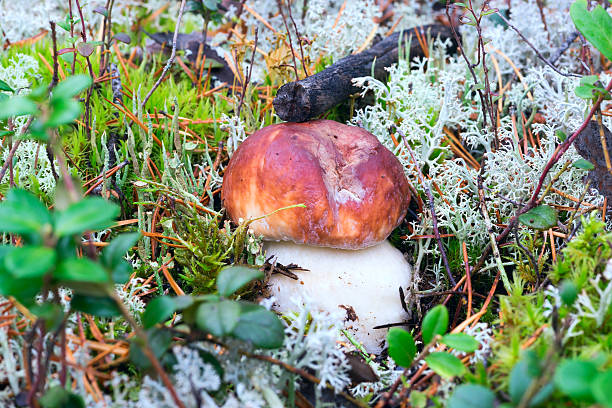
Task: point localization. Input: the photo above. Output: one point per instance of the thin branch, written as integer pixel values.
(538, 53)
(434, 218)
(170, 60)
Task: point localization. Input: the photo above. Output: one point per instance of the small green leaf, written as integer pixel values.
(583, 164)
(471, 396)
(161, 308)
(211, 5)
(71, 87)
(59, 397)
(418, 399)
(568, 292)
(30, 261)
(595, 25)
(235, 277)
(585, 92)
(601, 387)
(5, 87)
(401, 346)
(218, 318)
(521, 379)
(434, 323)
(445, 364)
(22, 213)
(101, 10)
(85, 49)
(81, 270)
(68, 57)
(589, 80)
(112, 256)
(101, 306)
(541, 217)
(561, 135)
(92, 213)
(51, 313)
(461, 341)
(259, 326)
(64, 112)
(574, 379)
(159, 341)
(122, 37)
(17, 106)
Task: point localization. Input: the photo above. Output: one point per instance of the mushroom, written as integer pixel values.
(355, 193)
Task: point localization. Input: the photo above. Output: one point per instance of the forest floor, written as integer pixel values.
(124, 282)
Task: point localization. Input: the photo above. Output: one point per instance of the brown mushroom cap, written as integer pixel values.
(354, 188)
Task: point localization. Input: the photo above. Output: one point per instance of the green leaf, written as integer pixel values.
(101, 10)
(68, 57)
(568, 292)
(64, 112)
(418, 399)
(122, 37)
(259, 326)
(521, 379)
(445, 364)
(159, 341)
(17, 106)
(30, 261)
(218, 318)
(59, 397)
(5, 87)
(574, 379)
(51, 313)
(81, 270)
(595, 25)
(401, 346)
(461, 341)
(585, 92)
(583, 164)
(434, 323)
(71, 87)
(235, 277)
(561, 135)
(471, 396)
(601, 387)
(211, 5)
(23, 213)
(101, 306)
(161, 308)
(85, 49)
(92, 213)
(541, 217)
(112, 256)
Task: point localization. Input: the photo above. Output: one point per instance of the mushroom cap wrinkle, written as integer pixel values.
(354, 189)
(363, 285)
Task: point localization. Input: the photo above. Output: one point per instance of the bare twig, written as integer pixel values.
(434, 218)
(538, 53)
(170, 60)
(297, 33)
(486, 99)
(247, 79)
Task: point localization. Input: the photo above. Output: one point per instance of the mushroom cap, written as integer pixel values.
(354, 189)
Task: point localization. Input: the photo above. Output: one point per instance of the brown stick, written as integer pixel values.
(302, 100)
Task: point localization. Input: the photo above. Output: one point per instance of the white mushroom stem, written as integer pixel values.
(365, 281)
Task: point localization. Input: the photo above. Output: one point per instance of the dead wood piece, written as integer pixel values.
(588, 144)
(308, 98)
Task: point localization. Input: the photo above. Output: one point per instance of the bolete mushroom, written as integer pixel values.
(355, 193)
